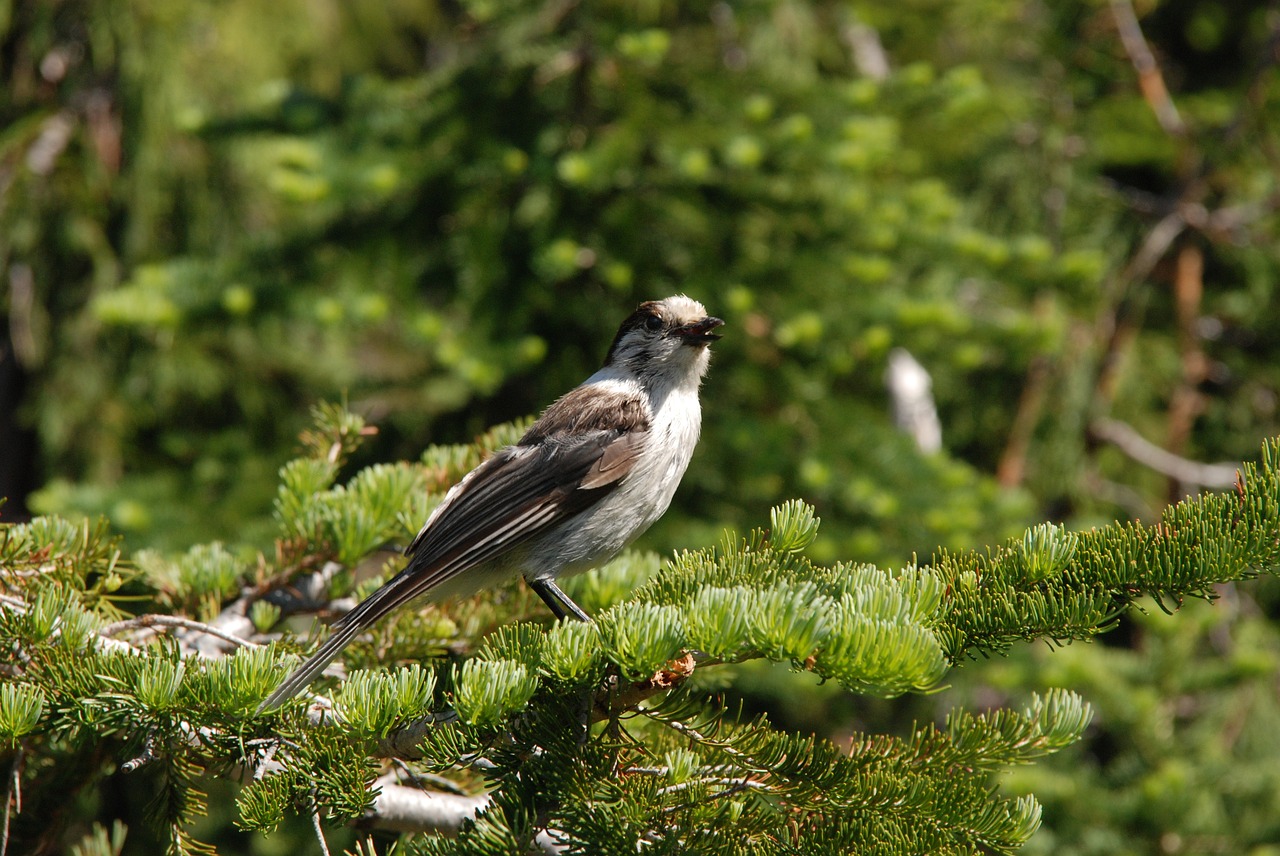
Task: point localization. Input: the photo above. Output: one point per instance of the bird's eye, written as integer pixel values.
(653, 323)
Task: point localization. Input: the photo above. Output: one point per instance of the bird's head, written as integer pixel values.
(665, 337)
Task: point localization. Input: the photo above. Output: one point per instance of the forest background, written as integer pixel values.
(215, 215)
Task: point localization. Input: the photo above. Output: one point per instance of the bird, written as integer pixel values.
(588, 477)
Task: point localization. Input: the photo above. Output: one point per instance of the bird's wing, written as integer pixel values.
(561, 467)
(516, 494)
(571, 458)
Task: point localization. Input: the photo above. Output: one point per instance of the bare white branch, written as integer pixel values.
(869, 55)
(1133, 444)
(911, 392)
(401, 808)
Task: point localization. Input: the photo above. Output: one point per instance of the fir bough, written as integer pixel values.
(585, 737)
(1060, 585)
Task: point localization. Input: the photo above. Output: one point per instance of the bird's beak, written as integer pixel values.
(699, 332)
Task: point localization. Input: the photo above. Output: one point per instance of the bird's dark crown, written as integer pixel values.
(671, 313)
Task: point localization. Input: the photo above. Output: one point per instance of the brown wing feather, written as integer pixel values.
(589, 409)
(618, 459)
(581, 448)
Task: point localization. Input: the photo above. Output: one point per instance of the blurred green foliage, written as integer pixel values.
(214, 215)
(441, 212)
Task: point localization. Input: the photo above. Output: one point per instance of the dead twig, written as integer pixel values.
(315, 824)
(1150, 78)
(12, 796)
(1187, 402)
(146, 621)
(1133, 444)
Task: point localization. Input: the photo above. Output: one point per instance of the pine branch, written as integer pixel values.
(613, 699)
(1059, 586)
(592, 729)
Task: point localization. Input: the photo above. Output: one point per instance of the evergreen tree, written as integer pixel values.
(514, 735)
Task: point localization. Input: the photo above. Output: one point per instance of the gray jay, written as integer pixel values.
(596, 469)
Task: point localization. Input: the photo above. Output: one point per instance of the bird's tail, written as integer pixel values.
(395, 592)
(315, 664)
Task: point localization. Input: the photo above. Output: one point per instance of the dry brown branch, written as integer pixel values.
(1155, 245)
(1150, 79)
(1013, 460)
(1187, 402)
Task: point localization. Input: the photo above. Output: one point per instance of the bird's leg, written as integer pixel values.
(557, 601)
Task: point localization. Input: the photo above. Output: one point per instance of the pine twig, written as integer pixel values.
(144, 758)
(730, 786)
(146, 621)
(608, 702)
(20, 606)
(315, 824)
(12, 796)
(403, 772)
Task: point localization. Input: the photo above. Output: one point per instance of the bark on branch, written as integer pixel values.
(1133, 444)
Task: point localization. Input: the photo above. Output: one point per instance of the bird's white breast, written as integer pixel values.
(601, 532)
